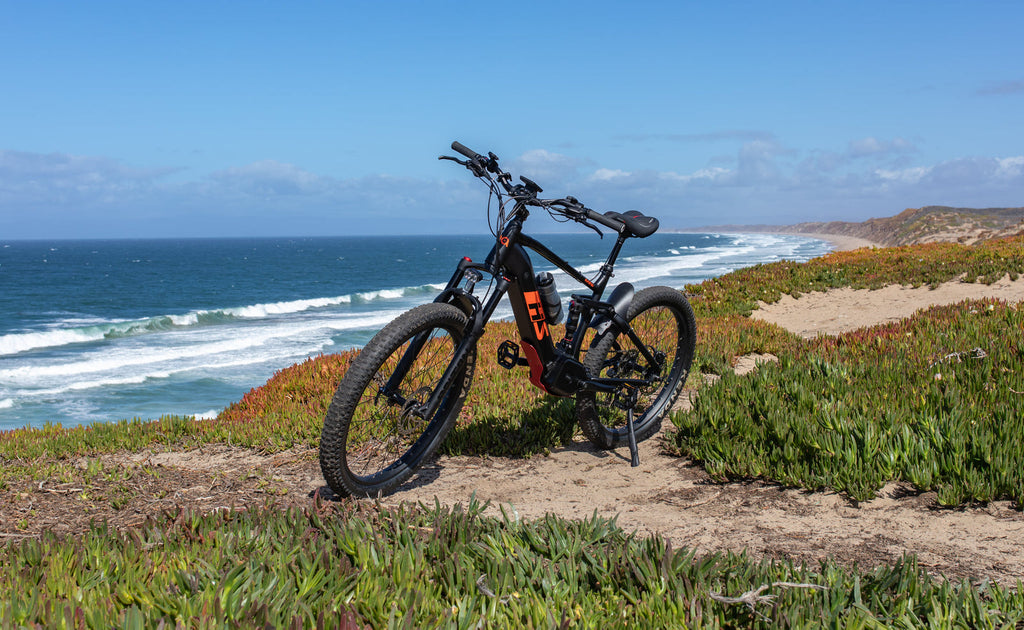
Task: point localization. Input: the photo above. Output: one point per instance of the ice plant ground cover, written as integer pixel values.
(932, 401)
(357, 565)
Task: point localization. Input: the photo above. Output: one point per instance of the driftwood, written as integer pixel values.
(754, 597)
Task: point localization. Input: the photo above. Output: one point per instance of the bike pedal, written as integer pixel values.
(508, 355)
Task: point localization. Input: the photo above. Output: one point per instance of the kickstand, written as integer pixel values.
(634, 455)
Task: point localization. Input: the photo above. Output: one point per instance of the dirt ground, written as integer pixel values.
(665, 495)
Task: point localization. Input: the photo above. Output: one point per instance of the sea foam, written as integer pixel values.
(16, 343)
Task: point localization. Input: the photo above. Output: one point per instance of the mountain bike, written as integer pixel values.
(403, 392)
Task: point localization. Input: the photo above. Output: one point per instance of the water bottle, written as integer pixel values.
(549, 297)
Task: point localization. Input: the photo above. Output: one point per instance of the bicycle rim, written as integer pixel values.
(664, 325)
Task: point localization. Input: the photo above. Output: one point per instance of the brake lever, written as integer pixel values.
(479, 169)
(592, 227)
(577, 212)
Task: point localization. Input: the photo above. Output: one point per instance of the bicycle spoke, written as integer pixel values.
(658, 329)
(388, 423)
(662, 321)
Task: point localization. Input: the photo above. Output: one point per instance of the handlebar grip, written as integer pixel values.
(608, 222)
(466, 151)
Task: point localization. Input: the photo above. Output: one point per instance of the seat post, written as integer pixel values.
(606, 268)
(617, 248)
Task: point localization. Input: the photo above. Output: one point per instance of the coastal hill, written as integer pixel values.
(914, 225)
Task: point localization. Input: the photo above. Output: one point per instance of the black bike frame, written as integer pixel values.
(556, 370)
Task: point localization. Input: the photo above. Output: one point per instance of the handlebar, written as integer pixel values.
(571, 207)
(608, 222)
(466, 151)
(581, 214)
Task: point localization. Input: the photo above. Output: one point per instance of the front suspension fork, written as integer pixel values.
(478, 317)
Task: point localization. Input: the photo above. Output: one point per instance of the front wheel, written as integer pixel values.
(664, 322)
(376, 433)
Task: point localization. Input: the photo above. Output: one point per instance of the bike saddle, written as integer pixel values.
(637, 223)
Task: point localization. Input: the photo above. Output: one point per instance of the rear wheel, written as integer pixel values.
(664, 322)
(375, 434)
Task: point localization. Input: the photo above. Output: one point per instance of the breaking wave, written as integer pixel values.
(15, 343)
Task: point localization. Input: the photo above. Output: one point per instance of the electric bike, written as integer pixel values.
(624, 358)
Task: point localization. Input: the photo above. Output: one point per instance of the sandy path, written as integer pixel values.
(670, 496)
(842, 310)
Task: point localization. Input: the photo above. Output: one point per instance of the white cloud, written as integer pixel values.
(545, 166)
(758, 163)
(906, 175)
(763, 182)
(873, 147)
(63, 196)
(58, 166)
(711, 174)
(968, 172)
(705, 137)
(269, 178)
(767, 185)
(889, 156)
(29, 177)
(1010, 168)
(604, 174)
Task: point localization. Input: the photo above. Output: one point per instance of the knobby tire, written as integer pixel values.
(664, 321)
(372, 439)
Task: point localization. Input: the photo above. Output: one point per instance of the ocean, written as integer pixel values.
(104, 330)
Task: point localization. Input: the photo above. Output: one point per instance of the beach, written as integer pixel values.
(839, 242)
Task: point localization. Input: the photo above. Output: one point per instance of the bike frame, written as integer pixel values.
(554, 368)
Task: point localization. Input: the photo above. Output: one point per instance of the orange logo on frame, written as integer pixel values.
(536, 309)
(504, 241)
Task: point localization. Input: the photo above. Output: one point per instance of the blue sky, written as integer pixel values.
(138, 119)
